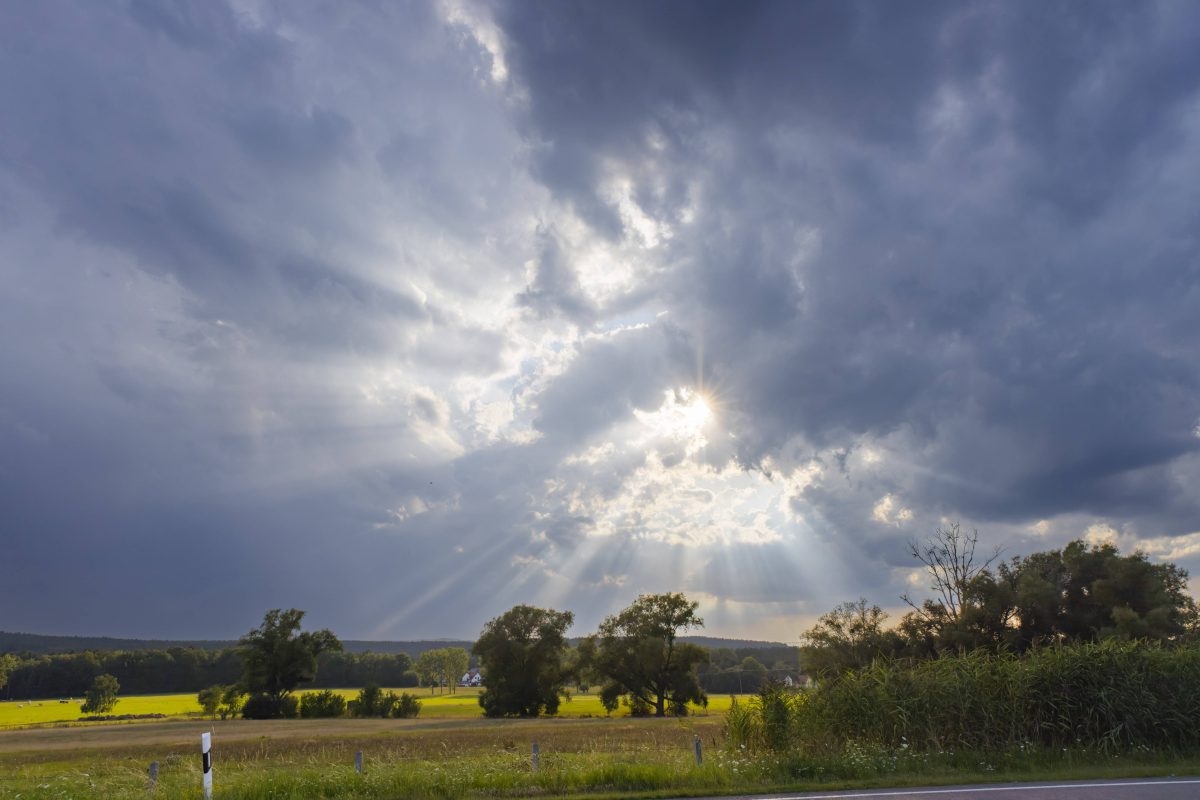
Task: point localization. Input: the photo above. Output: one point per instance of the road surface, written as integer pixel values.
(1138, 789)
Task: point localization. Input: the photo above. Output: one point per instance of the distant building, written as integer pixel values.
(471, 678)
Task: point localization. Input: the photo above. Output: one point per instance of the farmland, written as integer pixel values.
(447, 757)
(461, 705)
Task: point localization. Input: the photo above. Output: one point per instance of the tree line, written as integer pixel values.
(1080, 593)
(181, 669)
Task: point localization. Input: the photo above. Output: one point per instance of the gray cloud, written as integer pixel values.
(268, 319)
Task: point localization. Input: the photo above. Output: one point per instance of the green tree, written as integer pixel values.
(232, 700)
(455, 661)
(752, 664)
(277, 657)
(849, 637)
(1089, 593)
(210, 699)
(102, 696)
(429, 669)
(637, 655)
(523, 656)
(8, 663)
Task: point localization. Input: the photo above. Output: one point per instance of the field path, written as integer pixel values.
(184, 735)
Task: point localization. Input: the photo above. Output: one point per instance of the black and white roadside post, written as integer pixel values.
(699, 754)
(358, 761)
(153, 775)
(536, 753)
(206, 760)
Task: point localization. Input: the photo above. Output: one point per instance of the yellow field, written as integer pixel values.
(461, 705)
(28, 712)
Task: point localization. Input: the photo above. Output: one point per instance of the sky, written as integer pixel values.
(406, 313)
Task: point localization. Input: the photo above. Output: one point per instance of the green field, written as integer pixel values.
(462, 758)
(463, 704)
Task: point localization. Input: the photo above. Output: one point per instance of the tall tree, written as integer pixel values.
(637, 655)
(970, 607)
(1084, 592)
(277, 657)
(8, 663)
(523, 656)
(849, 637)
(455, 662)
(102, 696)
(428, 669)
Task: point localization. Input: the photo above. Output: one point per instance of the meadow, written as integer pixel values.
(452, 758)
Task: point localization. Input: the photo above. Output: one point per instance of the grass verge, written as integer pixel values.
(579, 758)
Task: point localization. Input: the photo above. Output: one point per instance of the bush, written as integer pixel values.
(322, 704)
(264, 706)
(374, 702)
(407, 706)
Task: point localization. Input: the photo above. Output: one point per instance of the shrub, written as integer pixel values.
(374, 702)
(264, 706)
(407, 706)
(322, 704)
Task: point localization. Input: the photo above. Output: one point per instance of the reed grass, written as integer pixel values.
(1112, 696)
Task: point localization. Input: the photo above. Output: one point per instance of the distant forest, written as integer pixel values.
(39, 644)
(65, 666)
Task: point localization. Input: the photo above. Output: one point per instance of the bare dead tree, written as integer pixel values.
(949, 555)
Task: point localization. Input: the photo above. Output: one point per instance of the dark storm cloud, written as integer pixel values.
(972, 286)
(365, 308)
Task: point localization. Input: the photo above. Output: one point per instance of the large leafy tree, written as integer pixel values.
(1084, 592)
(849, 637)
(277, 657)
(637, 655)
(442, 667)
(102, 696)
(523, 656)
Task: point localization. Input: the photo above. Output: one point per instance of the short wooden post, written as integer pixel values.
(699, 753)
(153, 775)
(536, 754)
(358, 761)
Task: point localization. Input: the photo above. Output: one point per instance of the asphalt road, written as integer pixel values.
(1150, 789)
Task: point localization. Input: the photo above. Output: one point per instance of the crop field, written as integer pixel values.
(33, 712)
(463, 704)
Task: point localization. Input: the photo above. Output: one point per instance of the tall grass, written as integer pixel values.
(1112, 697)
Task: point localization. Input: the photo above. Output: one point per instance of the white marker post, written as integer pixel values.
(536, 756)
(206, 756)
(699, 752)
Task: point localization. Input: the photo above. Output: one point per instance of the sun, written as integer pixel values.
(683, 416)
